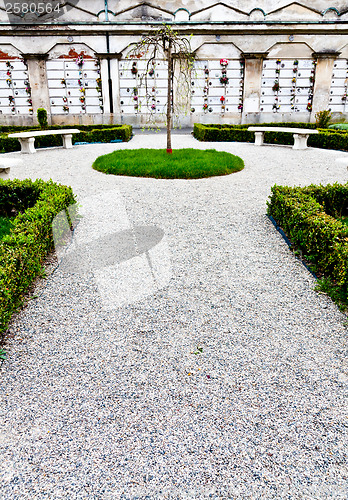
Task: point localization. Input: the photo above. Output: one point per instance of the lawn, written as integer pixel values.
(5, 226)
(157, 163)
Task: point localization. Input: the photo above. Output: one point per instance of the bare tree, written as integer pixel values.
(165, 43)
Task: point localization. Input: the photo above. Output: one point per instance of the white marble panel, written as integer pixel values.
(337, 82)
(341, 64)
(93, 109)
(55, 64)
(339, 73)
(336, 99)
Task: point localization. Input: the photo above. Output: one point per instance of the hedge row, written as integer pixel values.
(23, 251)
(8, 129)
(339, 126)
(87, 134)
(301, 214)
(326, 139)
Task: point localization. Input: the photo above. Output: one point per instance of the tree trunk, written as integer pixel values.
(169, 99)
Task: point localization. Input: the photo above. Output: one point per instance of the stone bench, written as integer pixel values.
(7, 163)
(27, 139)
(300, 135)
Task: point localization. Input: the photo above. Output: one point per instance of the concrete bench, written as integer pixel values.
(7, 163)
(300, 135)
(27, 139)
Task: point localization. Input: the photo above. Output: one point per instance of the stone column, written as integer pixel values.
(110, 84)
(182, 97)
(252, 83)
(104, 75)
(322, 83)
(115, 78)
(38, 81)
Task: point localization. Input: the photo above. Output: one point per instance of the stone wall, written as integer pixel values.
(286, 61)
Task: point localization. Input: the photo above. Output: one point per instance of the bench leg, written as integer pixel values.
(300, 141)
(27, 145)
(67, 144)
(259, 138)
(4, 170)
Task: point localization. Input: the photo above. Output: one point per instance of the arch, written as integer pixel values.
(211, 50)
(257, 14)
(9, 51)
(182, 14)
(71, 51)
(330, 9)
(290, 50)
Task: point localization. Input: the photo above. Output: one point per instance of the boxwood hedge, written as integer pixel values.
(308, 217)
(89, 133)
(326, 139)
(23, 251)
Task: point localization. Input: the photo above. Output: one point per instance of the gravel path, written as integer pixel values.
(227, 381)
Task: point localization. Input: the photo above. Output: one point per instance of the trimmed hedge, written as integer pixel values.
(340, 126)
(326, 139)
(301, 213)
(8, 129)
(23, 251)
(95, 133)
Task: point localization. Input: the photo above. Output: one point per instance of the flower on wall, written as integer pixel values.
(79, 61)
(311, 88)
(134, 69)
(241, 85)
(276, 86)
(224, 62)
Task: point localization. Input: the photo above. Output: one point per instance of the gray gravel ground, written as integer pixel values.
(111, 404)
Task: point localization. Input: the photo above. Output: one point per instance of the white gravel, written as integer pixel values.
(111, 404)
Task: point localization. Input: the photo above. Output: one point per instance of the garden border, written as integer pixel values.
(23, 251)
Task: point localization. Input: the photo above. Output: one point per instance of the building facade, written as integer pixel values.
(255, 60)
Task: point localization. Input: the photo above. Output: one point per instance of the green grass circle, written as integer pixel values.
(157, 163)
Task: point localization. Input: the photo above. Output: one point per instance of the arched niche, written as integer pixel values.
(218, 51)
(71, 51)
(182, 15)
(290, 50)
(330, 14)
(8, 51)
(257, 14)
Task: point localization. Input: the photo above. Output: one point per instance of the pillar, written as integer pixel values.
(181, 96)
(36, 64)
(252, 82)
(322, 83)
(115, 78)
(104, 75)
(110, 83)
